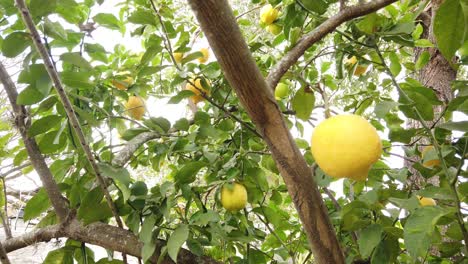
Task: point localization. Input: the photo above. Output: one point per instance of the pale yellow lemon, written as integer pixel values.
(346, 146)
(268, 14)
(135, 107)
(233, 196)
(198, 84)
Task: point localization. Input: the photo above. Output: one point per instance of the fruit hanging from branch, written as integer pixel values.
(135, 107)
(346, 146)
(197, 89)
(233, 196)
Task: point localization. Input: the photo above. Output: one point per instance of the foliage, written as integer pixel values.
(378, 220)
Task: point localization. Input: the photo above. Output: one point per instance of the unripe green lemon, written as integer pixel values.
(281, 91)
(346, 146)
(274, 29)
(233, 196)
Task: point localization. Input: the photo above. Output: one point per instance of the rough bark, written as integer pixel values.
(100, 234)
(346, 14)
(438, 75)
(218, 23)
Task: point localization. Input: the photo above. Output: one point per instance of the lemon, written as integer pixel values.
(178, 56)
(206, 55)
(346, 146)
(233, 196)
(351, 61)
(429, 163)
(198, 84)
(360, 69)
(123, 85)
(274, 29)
(268, 14)
(281, 91)
(135, 107)
(424, 201)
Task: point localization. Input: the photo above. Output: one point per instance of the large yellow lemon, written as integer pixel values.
(198, 84)
(135, 107)
(233, 196)
(268, 14)
(424, 201)
(346, 146)
(429, 163)
(206, 55)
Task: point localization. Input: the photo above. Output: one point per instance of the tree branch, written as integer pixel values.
(100, 234)
(220, 27)
(131, 146)
(3, 255)
(319, 33)
(22, 122)
(27, 19)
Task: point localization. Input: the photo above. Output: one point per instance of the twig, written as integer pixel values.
(17, 168)
(318, 33)
(67, 105)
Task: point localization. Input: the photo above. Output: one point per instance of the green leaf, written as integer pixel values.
(382, 108)
(369, 239)
(93, 208)
(54, 30)
(59, 256)
(386, 252)
(317, 6)
(15, 43)
(52, 142)
(188, 173)
(449, 27)
(39, 8)
(148, 250)
(303, 103)
(38, 204)
(176, 240)
(182, 124)
(419, 229)
(44, 124)
(29, 96)
(139, 188)
(422, 60)
(146, 233)
(395, 66)
(423, 43)
(108, 21)
(143, 17)
(202, 219)
(457, 126)
(76, 59)
(159, 124)
(79, 80)
(119, 174)
(180, 96)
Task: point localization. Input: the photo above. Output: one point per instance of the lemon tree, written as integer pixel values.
(196, 161)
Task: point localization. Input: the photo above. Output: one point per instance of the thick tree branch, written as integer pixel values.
(22, 120)
(220, 27)
(100, 234)
(3, 255)
(319, 33)
(27, 19)
(131, 146)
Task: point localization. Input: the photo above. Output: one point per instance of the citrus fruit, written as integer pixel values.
(429, 162)
(268, 14)
(206, 55)
(135, 107)
(198, 84)
(233, 196)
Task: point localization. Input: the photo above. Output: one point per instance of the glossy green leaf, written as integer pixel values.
(456, 126)
(44, 124)
(119, 174)
(76, 59)
(29, 96)
(15, 43)
(59, 256)
(303, 103)
(37, 205)
(449, 27)
(93, 208)
(176, 240)
(188, 173)
(369, 238)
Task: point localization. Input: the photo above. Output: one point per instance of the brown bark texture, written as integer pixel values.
(218, 23)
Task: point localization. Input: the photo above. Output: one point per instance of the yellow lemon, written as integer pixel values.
(178, 56)
(206, 55)
(135, 107)
(346, 146)
(351, 61)
(268, 14)
(424, 201)
(274, 29)
(124, 84)
(233, 196)
(360, 69)
(429, 163)
(198, 84)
